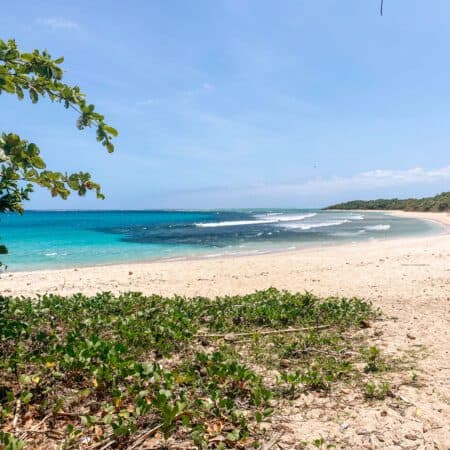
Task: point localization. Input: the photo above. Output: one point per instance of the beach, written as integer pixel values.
(371, 268)
(407, 278)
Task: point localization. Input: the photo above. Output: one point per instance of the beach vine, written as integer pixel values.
(117, 371)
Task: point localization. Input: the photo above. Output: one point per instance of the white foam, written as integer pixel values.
(232, 223)
(348, 233)
(261, 220)
(308, 226)
(290, 217)
(51, 254)
(378, 227)
(355, 217)
(350, 217)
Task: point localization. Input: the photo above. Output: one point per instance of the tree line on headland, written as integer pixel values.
(438, 203)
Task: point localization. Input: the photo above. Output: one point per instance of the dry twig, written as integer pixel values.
(108, 444)
(144, 436)
(233, 336)
(102, 443)
(16, 413)
(268, 445)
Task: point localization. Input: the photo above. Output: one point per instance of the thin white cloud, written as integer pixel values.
(207, 86)
(57, 23)
(311, 193)
(147, 102)
(366, 180)
(320, 187)
(204, 88)
(180, 97)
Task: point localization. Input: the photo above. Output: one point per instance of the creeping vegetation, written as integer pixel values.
(378, 391)
(117, 371)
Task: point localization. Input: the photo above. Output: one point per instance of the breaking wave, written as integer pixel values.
(261, 219)
(308, 226)
(355, 217)
(377, 227)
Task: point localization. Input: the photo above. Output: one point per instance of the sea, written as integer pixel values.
(64, 239)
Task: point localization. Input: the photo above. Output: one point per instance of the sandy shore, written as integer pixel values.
(409, 279)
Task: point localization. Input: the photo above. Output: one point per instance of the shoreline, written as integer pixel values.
(442, 219)
(118, 277)
(407, 278)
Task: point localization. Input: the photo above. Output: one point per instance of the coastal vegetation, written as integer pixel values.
(438, 203)
(117, 371)
(37, 75)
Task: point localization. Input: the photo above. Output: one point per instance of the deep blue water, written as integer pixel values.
(51, 239)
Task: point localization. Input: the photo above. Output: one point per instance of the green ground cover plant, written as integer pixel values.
(117, 371)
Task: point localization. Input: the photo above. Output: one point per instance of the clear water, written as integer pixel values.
(55, 239)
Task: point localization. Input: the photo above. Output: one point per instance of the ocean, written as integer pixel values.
(59, 239)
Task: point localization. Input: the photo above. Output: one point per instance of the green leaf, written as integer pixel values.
(112, 131)
(19, 92)
(38, 162)
(33, 96)
(26, 397)
(233, 436)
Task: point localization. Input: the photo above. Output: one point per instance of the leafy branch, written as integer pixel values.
(37, 75)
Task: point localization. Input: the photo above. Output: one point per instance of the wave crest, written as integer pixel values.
(308, 226)
(261, 219)
(379, 227)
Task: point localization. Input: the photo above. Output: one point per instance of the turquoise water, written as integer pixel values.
(55, 239)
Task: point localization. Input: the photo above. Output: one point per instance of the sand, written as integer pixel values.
(408, 278)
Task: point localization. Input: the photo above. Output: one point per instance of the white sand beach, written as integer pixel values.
(408, 278)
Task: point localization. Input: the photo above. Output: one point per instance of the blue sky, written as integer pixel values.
(235, 103)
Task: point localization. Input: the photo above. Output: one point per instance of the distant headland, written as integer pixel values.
(438, 203)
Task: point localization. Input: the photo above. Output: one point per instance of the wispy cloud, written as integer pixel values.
(58, 23)
(373, 179)
(366, 181)
(179, 97)
(309, 193)
(146, 102)
(207, 86)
